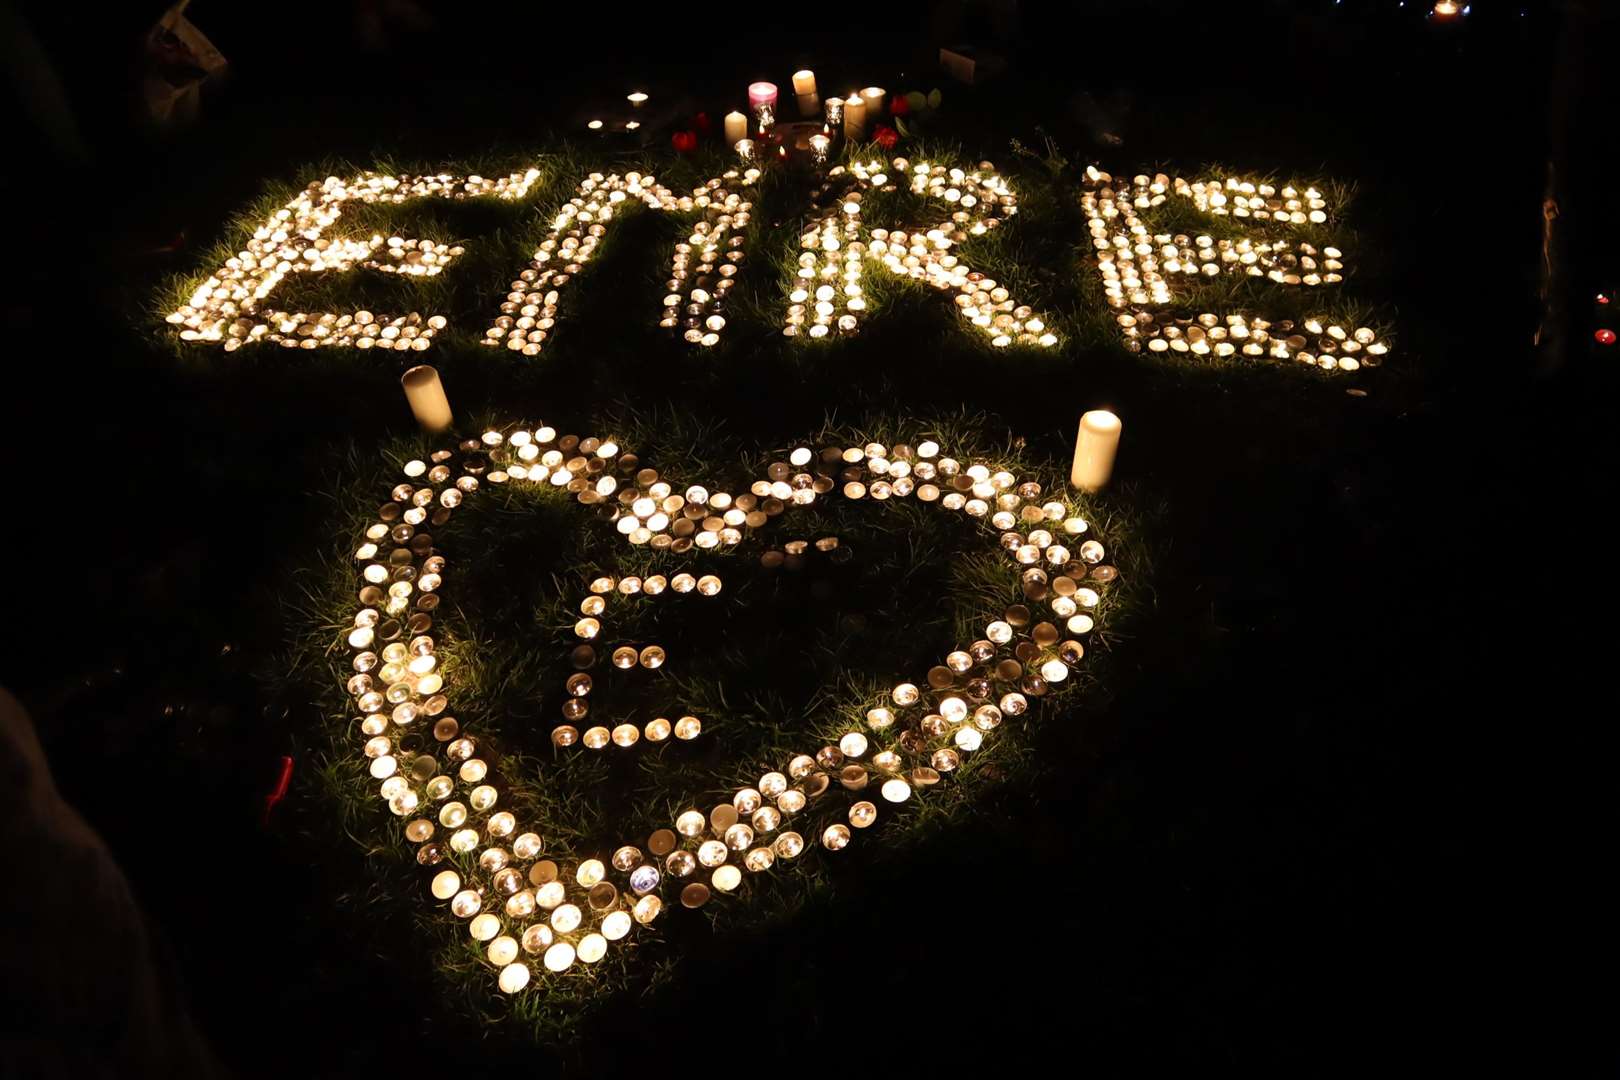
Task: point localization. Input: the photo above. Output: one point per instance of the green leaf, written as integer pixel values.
(917, 101)
(934, 98)
(900, 126)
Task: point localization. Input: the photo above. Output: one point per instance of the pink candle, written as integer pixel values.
(762, 93)
(762, 103)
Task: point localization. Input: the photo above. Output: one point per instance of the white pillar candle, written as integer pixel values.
(1094, 448)
(873, 97)
(425, 393)
(854, 118)
(736, 127)
(804, 87)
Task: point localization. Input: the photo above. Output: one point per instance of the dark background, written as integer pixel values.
(1278, 842)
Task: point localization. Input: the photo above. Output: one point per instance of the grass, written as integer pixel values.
(836, 635)
(505, 637)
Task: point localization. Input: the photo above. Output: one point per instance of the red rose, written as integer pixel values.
(898, 105)
(684, 141)
(701, 120)
(885, 136)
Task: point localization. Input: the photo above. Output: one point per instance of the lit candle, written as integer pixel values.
(873, 97)
(745, 149)
(762, 100)
(1094, 448)
(835, 111)
(736, 128)
(804, 86)
(818, 147)
(637, 99)
(854, 118)
(425, 393)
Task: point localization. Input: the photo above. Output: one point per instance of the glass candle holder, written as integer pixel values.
(834, 107)
(818, 148)
(745, 149)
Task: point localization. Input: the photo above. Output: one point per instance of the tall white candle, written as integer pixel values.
(736, 127)
(873, 97)
(425, 393)
(804, 87)
(1094, 448)
(854, 118)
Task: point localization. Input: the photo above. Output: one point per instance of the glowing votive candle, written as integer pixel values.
(854, 118)
(835, 111)
(1094, 448)
(637, 99)
(736, 127)
(818, 147)
(425, 393)
(804, 87)
(745, 149)
(762, 101)
(873, 97)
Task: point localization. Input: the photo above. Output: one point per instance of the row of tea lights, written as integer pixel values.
(1137, 266)
(828, 292)
(529, 912)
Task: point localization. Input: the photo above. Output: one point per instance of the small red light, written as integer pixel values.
(1605, 336)
(1603, 298)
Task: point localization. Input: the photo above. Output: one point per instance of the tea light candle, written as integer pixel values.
(835, 111)
(637, 99)
(762, 100)
(425, 393)
(854, 118)
(818, 147)
(804, 86)
(736, 128)
(745, 149)
(873, 97)
(1094, 448)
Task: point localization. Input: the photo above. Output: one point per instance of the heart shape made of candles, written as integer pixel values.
(537, 913)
